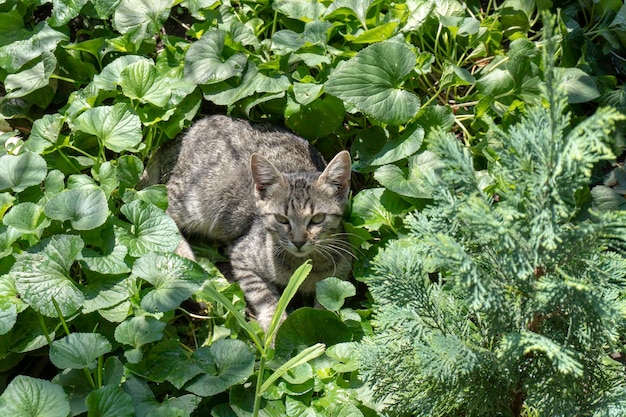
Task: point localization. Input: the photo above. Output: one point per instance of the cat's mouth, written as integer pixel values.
(299, 250)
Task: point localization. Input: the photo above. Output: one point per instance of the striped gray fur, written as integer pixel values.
(263, 192)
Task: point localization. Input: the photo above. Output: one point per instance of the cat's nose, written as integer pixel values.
(299, 245)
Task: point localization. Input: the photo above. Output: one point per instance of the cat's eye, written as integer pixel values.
(317, 218)
(281, 219)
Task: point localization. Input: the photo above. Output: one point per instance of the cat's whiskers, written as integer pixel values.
(321, 250)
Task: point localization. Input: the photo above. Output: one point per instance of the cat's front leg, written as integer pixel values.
(260, 295)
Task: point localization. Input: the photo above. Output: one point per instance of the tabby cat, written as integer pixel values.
(266, 194)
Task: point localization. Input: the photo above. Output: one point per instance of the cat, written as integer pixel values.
(264, 193)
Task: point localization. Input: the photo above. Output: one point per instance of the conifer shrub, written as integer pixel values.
(508, 296)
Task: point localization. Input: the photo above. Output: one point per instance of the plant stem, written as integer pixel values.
(259, 383)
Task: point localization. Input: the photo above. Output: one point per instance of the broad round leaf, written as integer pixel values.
(115, 126)
(110, 401)
(138, 331)
(580, 86)
(64, 11)
(32, 79)
(43, 275)
(110, 76)
(152, 229)
(204, 62)
(371, 82)
(332, 292)
(174, 279)
(26, 218)
(85, 207)
(226, 362)
(395, 179)
(45, 132)
(141, 18)
(18, 172)
(27, 397)
(308, 326)
(139, 81)
(79, 350)
(375, 207)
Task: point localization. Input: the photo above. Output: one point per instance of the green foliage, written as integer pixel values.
(90, 292)
(507, 295)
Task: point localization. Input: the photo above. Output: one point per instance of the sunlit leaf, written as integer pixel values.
(140, 81)
(18, 172)
(372, 82)
(42, 276)
(152, 229)
(27, 397)
(140, 19)
(79, 350)
(226, 362)
(332, 292)
(204, 62)
(85, 207)
(110, 401)
(174, 279)
(115, 126)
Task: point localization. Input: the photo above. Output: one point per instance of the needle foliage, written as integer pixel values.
(507, 296)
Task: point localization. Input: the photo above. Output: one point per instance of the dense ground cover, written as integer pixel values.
(90, 293)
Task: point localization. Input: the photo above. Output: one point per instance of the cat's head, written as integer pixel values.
(303, 211)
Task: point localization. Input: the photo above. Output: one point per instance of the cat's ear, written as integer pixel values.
(337, 174)
(265, 175)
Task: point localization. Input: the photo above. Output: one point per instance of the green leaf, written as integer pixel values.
(402, 147)
(174, 279)
(496, 82)
(116, 127)
(178, 369)
(65, 10)
(29, 80)
(226, 362)
(140, 19)
(204, 62)
(110, 76)
(371, 82)
(138, 331)
(110, 401)
(317, 119)
(27, 46)
(129, 169)
(26, 218)
(140, 81)
(110, 257)
(8, 317)
(308, 326)
(85, 207)
(105, 292)
(79, 350)
(18, 172)
(45, 132)
(42, 275)
(152, 229)
(346, 356)
(27, 397)
(301, 358)
(147, 406)
(376, 207)
(356, 8)
(10, 304)
(332, 292)
(376, 34)
(301, 10)
(580, 86)
(253, 82)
